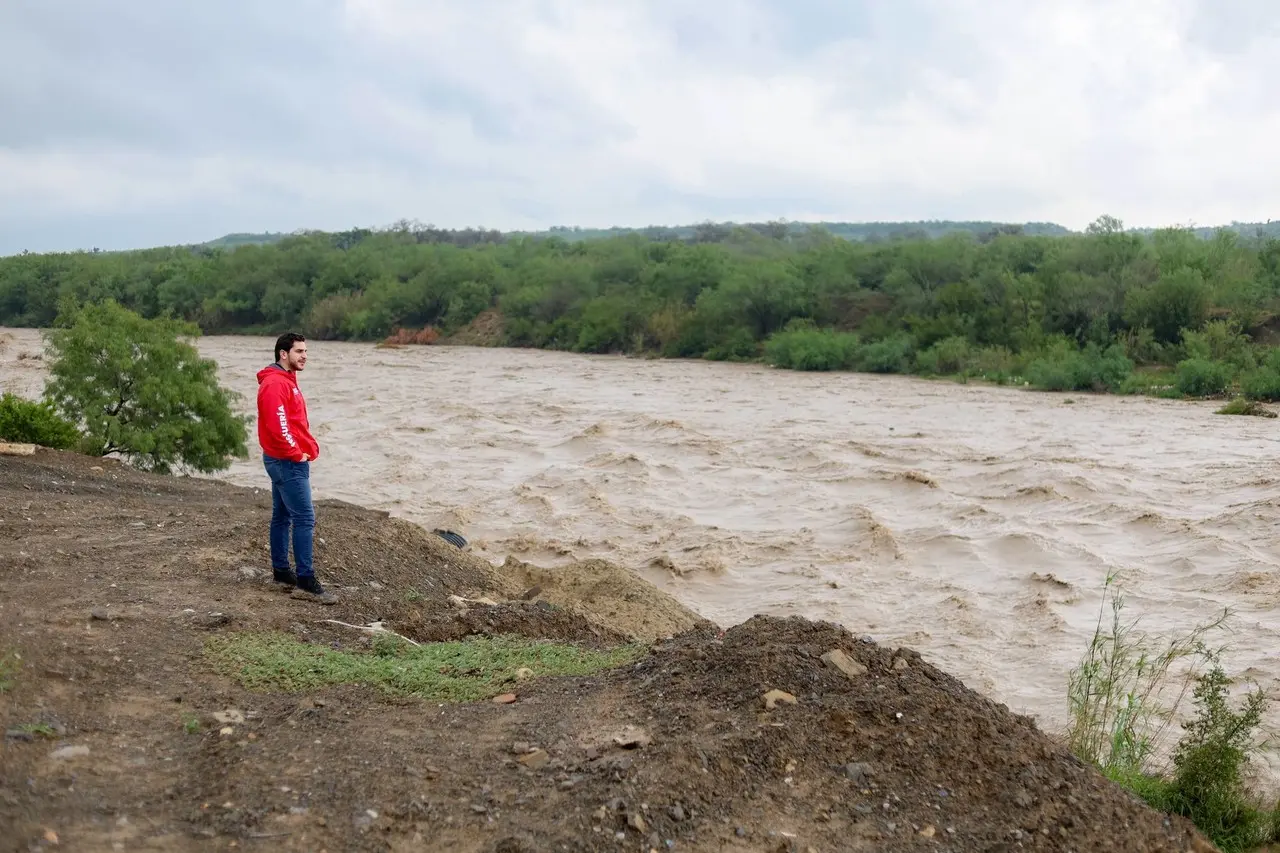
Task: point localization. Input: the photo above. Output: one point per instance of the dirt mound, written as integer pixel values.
(425, 336)
(886, 754)
(537, 619)
(608, 596)
(485, 330)
(121, 735)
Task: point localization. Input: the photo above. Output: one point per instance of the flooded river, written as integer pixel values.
(973, 524)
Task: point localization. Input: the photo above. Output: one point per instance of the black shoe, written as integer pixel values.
(285, 578)
(309, 587)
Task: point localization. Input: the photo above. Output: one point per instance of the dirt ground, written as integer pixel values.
(111, 581)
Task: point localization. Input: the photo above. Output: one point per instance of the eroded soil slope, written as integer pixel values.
(112, 582)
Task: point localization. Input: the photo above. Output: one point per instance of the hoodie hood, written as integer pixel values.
(272, 369)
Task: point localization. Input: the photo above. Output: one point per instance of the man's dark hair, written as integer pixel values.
(285, 342)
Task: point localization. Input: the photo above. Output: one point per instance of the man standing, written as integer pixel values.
(287, 451)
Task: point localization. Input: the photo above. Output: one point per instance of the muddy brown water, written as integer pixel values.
(973, 524)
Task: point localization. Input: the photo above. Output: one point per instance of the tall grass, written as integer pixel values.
(1124, 699)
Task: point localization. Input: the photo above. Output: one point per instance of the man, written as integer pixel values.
(288, 449)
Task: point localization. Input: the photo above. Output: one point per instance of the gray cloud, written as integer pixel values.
(146, 122)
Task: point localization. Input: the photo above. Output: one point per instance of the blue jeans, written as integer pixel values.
(291, 508)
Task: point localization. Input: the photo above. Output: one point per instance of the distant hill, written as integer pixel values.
(859, 231)
(856, 231)
(1270, 228)
(232, 241)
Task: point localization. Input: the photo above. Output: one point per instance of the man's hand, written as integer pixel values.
(306, 458)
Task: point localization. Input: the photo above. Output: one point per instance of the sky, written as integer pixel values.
(150, 122)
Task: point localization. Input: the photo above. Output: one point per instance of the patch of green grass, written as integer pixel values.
(1241, 406)
(41, 729)
(453, 672)
(10, 664)
(191, 724)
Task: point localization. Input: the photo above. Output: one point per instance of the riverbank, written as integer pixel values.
(125, 604)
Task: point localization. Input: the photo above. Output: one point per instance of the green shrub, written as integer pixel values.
(889, 355)
(1063, 367)
(948, 357)
(1264, 382)
(32, 422)
(738, 345)
(1208, 785)
(1156, 383)
(799, 348)
(1220, 341)
(1123, 697)
(996, 364)
(1201, 377)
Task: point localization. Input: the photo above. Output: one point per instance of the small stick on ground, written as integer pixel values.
(372, 628)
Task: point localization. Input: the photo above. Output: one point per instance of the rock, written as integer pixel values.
(504, 699)
(535, 760)
(231, 715)
(524, 673)
(19, 735)
(677, 812)
(928, 831)
(226, 731)
(859, 772)
(102, 614)
(9, 448)
(66, 752)
(374, 585)
(249, 573)
(773, 697)
(900, 664)
(210, 620)
(521, 747)
(635, 820)
(837, 659)
(632, 737)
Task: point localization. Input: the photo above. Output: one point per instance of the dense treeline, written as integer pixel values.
(1070, 312)
(870, 232)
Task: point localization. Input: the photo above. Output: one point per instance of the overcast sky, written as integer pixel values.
(144, 122)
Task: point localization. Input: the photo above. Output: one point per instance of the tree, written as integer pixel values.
(139, 391)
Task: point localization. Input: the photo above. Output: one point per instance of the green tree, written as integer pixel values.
(138, 390)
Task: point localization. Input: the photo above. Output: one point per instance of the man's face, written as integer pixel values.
(296, 358)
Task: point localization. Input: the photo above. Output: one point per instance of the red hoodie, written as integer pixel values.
(283, 429)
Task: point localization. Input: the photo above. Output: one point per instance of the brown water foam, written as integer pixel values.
(973, 524)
